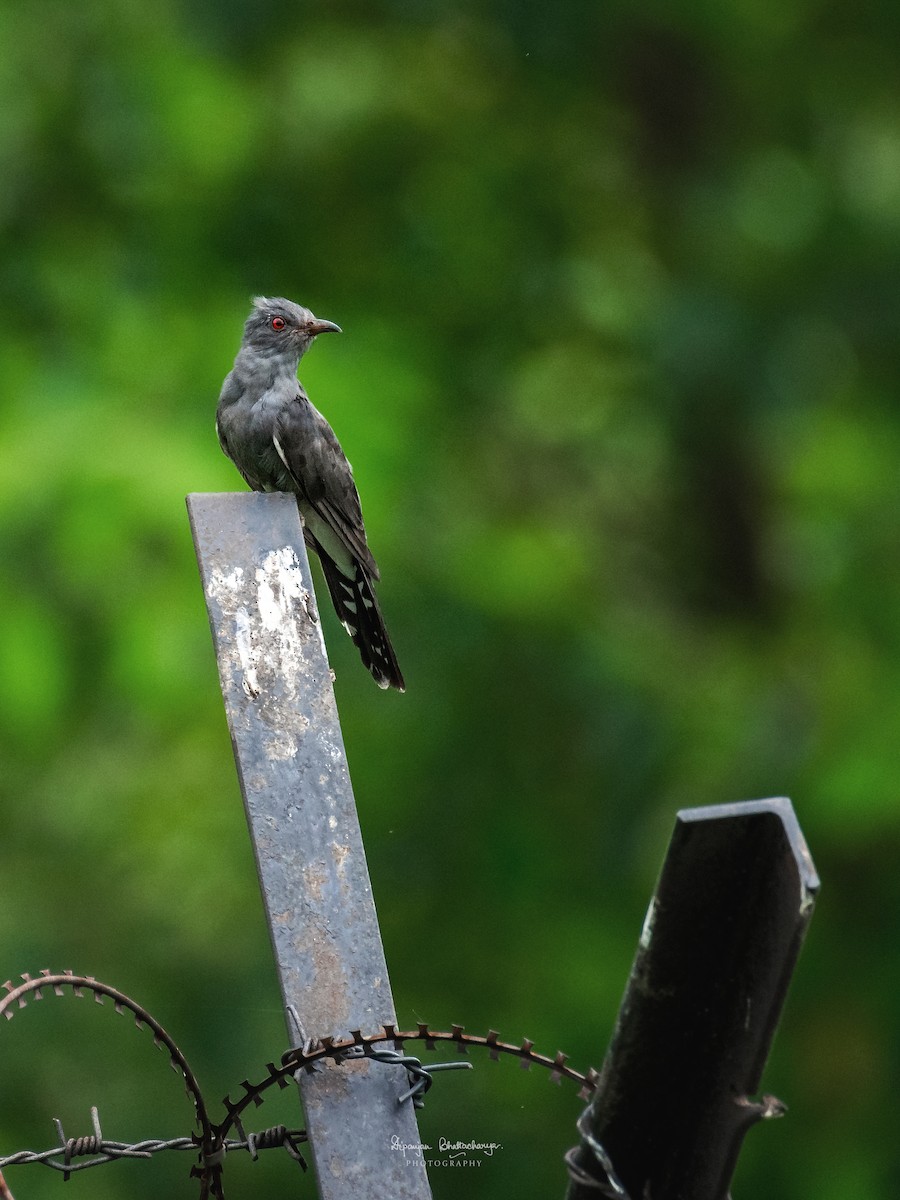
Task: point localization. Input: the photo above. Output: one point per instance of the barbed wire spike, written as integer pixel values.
(273, 1070)
(425, 1034)
(559, 1064)
(251, 1092)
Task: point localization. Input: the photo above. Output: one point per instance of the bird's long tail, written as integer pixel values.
(356, 605)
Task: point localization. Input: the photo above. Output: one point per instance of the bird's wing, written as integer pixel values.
(313, 457)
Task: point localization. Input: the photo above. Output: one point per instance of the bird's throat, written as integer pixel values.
(265, 367)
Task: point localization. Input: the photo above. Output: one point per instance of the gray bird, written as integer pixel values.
(280, 443)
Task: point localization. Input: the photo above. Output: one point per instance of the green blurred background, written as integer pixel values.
(619, 383)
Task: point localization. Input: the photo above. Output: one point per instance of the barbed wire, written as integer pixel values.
(212, 1144)
(98, 1150)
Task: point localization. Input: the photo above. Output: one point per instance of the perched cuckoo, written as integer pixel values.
(280, 443)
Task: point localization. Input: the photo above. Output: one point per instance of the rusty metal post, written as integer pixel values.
(677, 1092)
(284, 726)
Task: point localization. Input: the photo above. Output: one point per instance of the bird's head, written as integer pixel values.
(281, 327)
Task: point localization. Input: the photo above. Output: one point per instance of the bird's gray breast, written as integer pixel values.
(247, 430)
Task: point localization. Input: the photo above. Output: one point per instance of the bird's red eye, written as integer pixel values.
(278, 323)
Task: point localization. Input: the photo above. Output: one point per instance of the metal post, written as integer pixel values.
(284, 726)
(677, 1090)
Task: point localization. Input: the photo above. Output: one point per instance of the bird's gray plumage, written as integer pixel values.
(280, 443)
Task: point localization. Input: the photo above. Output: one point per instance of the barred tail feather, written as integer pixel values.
(356, 605)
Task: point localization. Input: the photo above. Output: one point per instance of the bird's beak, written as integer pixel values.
(315, 327)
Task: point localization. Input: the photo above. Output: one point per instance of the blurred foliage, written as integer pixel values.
(619, 381)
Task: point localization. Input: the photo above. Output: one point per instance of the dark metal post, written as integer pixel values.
(284, 725)
(677, 1090)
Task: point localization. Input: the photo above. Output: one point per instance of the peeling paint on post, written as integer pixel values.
(287, 741)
